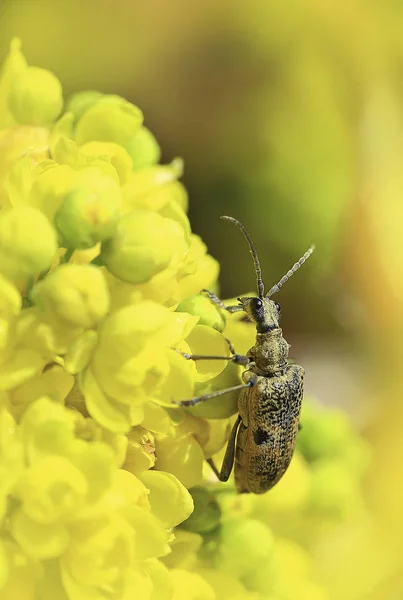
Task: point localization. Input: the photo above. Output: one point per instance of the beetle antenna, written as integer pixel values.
(287, 276)
(258, 270)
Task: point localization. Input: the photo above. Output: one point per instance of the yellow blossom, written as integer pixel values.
(110, 119)
(143, 244)
(75, 295)
(27, 242)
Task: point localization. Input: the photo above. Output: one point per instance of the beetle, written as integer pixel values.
(263, 437)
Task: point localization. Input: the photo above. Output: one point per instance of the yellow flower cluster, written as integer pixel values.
(100, 277)
(96, 253)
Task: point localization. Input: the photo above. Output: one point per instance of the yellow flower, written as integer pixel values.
(132, 362)
(155, 188)
(143, 244)
(208, 312)
(89, 212)
(73, 295)
(27, 242)
(110, 119)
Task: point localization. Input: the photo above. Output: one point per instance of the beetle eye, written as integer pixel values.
(277, 305)
(258, 303)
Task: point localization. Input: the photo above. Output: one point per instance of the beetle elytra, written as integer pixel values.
(263, 438)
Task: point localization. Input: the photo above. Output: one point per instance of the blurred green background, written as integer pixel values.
(289, 116)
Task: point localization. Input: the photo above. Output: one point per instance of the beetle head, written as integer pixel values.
(263, 312)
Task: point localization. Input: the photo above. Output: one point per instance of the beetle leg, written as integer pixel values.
(238, 359)
(220, 303)
(230, 346)
(229, 457)
(197, 399)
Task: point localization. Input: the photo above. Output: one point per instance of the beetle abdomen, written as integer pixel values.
(266, 439)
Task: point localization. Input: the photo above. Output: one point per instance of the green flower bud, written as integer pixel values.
(76, 295)
(27, 242)
(143, 149)
(209, 313)
(90, 212)
(244, 544)
(111, 119)
(206, 514)
(324, 432)
(143, 245)
(35, 97)
(79, 103)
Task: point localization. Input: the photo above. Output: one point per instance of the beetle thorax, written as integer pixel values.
(270, 352)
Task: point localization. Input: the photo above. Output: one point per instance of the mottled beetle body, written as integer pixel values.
(268, 430)
(263, 438)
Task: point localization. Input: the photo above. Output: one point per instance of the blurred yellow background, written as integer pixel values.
(289, 116)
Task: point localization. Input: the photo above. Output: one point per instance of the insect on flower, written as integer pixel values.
(263, 438)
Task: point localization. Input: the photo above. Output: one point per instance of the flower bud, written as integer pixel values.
(35, 97)
(239, 550)
(27, 242)
(206, 515)
(111, 119)
(143, 245)
(51, 184)
(118, 156)
(77, 295)
(202, 307)
(324, 432)
(89, 213)
(79, 103)
(143, 149)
